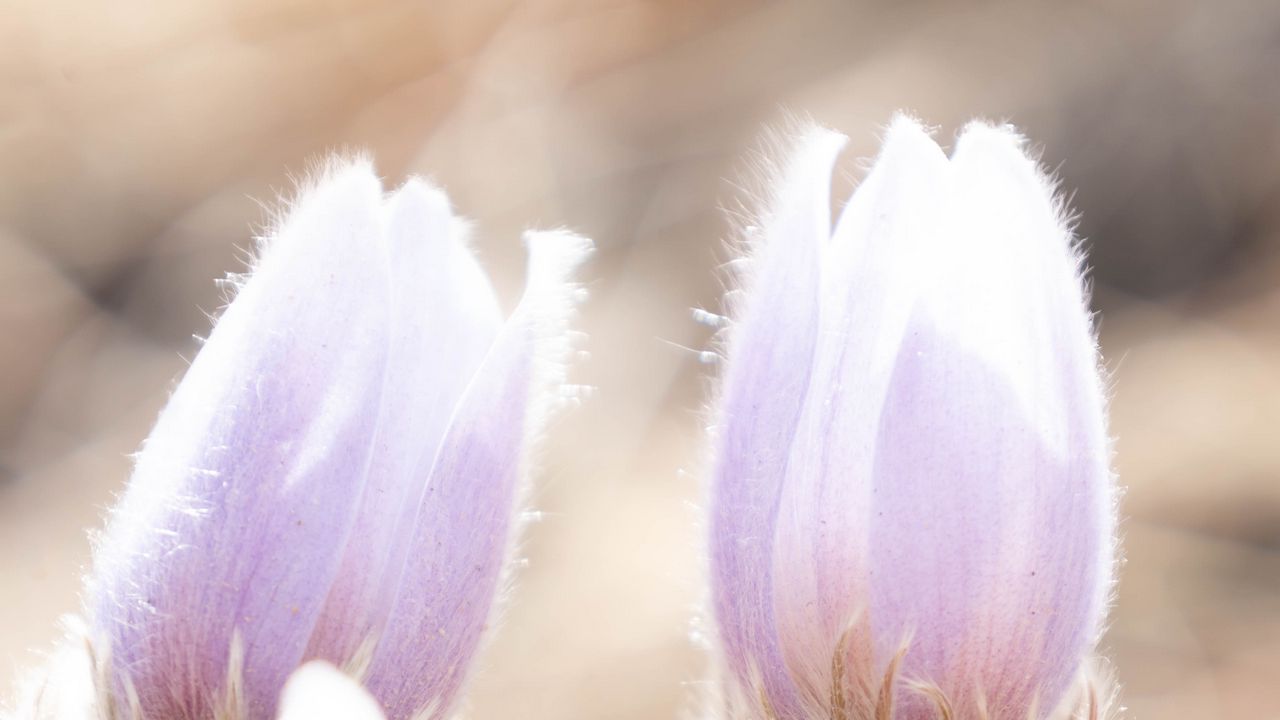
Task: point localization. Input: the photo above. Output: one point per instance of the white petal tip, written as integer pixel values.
(903, 121)
(420, 196)
(815, 143)
(342, 174)
(418, 213)
(983, 131)
(907, 140)
(1001, 145)
(318, 691)
(819, 133)
(554, 255)
(337, 189)
(996, 157)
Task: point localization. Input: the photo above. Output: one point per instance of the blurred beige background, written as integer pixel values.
(137, 141)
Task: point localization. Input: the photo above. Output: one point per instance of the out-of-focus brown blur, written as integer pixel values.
(138, 141)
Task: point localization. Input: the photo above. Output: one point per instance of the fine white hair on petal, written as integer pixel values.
(342, 170)
(554, 258)
(319, 691)
(551, 298)
(785, 175)
(549, 305)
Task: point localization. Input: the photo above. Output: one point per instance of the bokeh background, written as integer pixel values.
(139, 141)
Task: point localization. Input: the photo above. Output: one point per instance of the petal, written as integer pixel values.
(456, 562)
(867, 292)
(236, 514)
(444, 318)
(991, 530)
(771, 352)
(317, 691)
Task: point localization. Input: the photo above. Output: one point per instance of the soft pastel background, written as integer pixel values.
(139, 141)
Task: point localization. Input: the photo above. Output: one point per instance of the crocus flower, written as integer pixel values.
(911, 504)
(338, 473)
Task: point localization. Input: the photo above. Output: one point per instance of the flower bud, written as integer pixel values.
(911, 507)
(338, 474)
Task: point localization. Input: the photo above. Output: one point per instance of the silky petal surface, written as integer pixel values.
(821, 550)
(990, 533)
(771, 354)
(444, 318)
(244, 494)
(456, 562)
(318, 691)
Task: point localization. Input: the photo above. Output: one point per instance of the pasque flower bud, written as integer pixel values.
(911, 509)
(337, 476)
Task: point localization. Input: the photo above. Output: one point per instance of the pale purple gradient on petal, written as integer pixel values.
(456, 562)
(444, 318)
(821, 552)
(771, 353)
(991, 532)
(245, 492)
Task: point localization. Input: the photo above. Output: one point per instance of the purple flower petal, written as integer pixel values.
(771, 351)
(821, 553)
(991, 536)
(463, 535)
(444, 318)
(242, 498)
